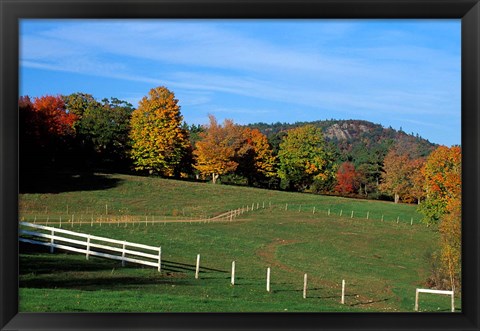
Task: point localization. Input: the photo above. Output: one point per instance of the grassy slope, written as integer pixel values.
(382, 262)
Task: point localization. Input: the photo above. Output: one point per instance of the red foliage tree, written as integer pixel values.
(347, 179)
(52, 115)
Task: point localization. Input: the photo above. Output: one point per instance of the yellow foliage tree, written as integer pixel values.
(219, 147)
(159, 143)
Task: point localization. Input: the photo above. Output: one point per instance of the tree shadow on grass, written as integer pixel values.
(58, 182)
(107, 282)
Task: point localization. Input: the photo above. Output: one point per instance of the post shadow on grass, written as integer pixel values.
(369, 302)
(58, 182)
(298, 290)
(188, 267)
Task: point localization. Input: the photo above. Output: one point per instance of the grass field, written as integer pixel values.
(382, 262)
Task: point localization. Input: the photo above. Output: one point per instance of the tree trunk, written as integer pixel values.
(397, 197)
(214, 177)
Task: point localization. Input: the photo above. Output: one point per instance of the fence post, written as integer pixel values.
(123, 253)
(88, 248)
(159, 259)
(411, 221)
(305, 286)
(398, 218)
(232, 281)
(453, 299)
(368, 214)
(286, 206)
(314, 209)
(416, 299)
(268, 279)
(328, 212)
(60, 221)
(343, 292)
(352, 214)
(197, 269)
(341, 212)
(52, 241)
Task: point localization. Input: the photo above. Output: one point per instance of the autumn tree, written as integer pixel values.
(402, 177)
(303, 158)
(219, 148)
(347, 179)
(442, 173)
(257, 161)
(159, 143)
(46, 135)
(443, 186)
(417, 179)
(52, 117)
(451, 243)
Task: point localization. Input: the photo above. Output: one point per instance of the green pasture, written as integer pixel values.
(382, 262)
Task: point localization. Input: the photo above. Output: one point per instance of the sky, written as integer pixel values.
(399, 73)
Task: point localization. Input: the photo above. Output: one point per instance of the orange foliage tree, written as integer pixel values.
(442, 173)
(219, 148)
(402, 177)
(159, 143)
(443, 189)
(257, 162)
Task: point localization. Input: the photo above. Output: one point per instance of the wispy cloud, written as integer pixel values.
(338, 68)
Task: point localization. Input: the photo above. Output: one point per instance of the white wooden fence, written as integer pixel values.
(421, 290)
(91, 245)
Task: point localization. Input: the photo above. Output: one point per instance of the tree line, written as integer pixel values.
(78, 132)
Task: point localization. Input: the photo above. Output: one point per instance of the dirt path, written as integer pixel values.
(268, 255)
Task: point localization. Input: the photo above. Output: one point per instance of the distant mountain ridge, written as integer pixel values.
(350, 137)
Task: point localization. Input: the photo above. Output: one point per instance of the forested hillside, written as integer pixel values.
(342, 157)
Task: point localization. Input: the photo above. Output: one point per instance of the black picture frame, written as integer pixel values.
(12, 11)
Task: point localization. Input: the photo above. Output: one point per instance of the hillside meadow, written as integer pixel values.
(381, 250)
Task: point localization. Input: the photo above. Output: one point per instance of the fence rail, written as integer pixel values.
(91, 245)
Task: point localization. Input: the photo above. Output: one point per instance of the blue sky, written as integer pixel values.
(399, 73)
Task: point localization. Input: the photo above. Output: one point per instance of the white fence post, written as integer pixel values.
(453, 299)
(416, 299)
(123, 253)
(52, 241)
(88, 248)
(159, 259)
(268, 279)
(197, 269)
(305, 286)
(232, 281)
(343, 292)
